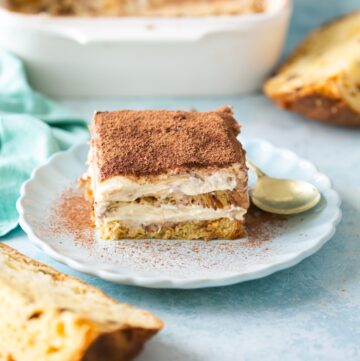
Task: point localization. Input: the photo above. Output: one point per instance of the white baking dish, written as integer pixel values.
(74, 56)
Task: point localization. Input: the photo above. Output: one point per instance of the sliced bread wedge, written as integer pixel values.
(48, 316)
(321, 80)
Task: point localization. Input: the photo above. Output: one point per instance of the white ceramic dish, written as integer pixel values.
(70, 56)
(180, 264)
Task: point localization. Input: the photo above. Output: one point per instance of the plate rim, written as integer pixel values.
(183, 283)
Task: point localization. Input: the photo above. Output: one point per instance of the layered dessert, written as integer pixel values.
(137, 7)
(167, 174)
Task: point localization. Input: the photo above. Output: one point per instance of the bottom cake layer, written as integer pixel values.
(222, 228)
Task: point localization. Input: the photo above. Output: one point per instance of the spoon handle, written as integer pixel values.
(259, 173)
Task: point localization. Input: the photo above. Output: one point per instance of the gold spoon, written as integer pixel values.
(282, 196)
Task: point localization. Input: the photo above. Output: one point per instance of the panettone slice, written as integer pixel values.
(321, 80)
(49, 316)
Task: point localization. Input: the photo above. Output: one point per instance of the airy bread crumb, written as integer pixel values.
(48, 316)
(321, 80)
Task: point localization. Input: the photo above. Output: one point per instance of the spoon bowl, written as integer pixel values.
(282, 196)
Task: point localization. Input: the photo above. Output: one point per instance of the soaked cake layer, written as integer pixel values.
(222, 228)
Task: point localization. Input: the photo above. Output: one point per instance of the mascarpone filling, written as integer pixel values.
(125, 189)
(139, 214)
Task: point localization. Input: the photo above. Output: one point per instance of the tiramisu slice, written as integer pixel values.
(167, 174)
(137, 7)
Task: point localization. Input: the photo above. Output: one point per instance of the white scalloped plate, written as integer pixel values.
(181, 264)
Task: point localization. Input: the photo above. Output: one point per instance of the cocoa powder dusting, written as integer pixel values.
(71, 213)
(261, 226)
(152, 142)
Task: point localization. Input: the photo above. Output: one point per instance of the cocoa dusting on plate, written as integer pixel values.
(261, 226)
(71, 213)
(69, 224)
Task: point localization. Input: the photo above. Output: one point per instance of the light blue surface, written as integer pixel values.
(309, 312)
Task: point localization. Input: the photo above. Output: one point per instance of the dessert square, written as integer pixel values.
(167, 174)
(138, 7)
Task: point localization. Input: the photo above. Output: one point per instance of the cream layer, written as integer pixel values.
(140, 214)
(127, 189)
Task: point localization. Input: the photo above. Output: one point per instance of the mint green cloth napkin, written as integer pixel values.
(32, 127)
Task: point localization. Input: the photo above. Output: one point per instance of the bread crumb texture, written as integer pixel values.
(321, 80)
(49, 316)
